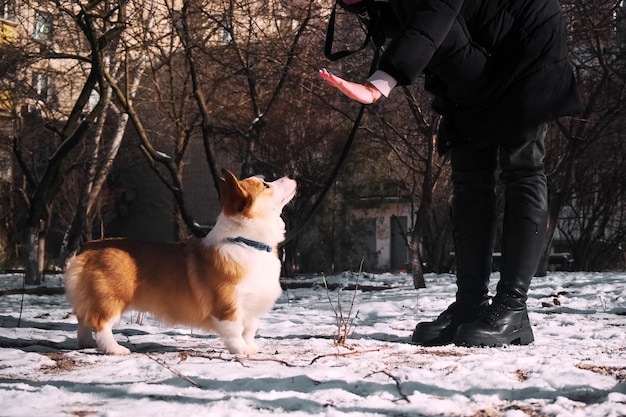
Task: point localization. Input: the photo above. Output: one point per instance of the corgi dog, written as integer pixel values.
(223, 282)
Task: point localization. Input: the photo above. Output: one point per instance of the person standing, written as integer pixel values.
(499, 73)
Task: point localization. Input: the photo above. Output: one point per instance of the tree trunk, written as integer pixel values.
(417, 266)
(96, 177)
(553, 218)
(421, 217)
(39, 212)
(35, 254)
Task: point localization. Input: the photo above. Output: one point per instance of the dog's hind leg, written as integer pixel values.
(85, 337)
(107, 343)
(231, 333)
(250, 327)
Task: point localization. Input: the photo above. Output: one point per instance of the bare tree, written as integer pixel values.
(126, 60)
(597, 51)
(67, 129)
(430, 168)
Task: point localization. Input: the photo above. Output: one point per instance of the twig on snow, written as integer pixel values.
(287, 364)
(240, 360)
(397, 382)
(173, 370)
(338, 355)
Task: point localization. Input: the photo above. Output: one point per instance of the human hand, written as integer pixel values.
(363, 93)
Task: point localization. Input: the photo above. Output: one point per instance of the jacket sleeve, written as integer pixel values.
(424, 30)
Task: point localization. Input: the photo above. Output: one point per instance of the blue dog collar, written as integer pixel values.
(252, 243)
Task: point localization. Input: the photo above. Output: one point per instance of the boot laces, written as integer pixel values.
(491, 313)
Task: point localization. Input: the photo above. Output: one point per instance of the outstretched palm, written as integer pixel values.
(366, 94)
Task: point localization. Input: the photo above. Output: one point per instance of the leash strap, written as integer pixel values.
(378, 40)
(330, 36)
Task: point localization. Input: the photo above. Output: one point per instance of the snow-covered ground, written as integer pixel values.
(576, 367)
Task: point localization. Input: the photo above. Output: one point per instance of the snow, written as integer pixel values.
(576, 367)
(163, 156)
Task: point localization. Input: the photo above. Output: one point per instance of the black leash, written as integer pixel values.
(330, 37)
(349, 142)
(331, 180)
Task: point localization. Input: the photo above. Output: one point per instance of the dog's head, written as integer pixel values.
(255, 198)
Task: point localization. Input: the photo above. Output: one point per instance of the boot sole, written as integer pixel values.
(436, 341)
(523, 336)
(432, 337)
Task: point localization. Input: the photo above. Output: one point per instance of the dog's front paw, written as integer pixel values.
(240, 347)
(253, 348)
(115, 350)
(108, 345)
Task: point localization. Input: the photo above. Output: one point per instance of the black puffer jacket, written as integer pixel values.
(494, 66)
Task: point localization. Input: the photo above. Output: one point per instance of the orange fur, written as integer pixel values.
(194, 284)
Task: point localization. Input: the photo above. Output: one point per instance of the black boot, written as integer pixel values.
(474, 227)
(441, 331)
(506, 321)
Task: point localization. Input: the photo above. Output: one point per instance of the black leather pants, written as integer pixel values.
(519, 161)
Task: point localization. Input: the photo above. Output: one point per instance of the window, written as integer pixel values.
(42, 30)
(6, 103)
(41, 86)
(7, 9)
(227, 37)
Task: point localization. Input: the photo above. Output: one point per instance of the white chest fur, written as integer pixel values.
(260, 286)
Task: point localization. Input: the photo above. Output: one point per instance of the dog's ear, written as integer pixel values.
(234, 197)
